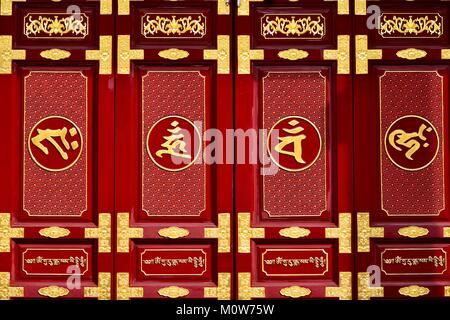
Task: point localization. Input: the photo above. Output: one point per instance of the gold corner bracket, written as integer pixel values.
(6, 291)
(126, 54)
(244, 7)
(103, 291)
(7, 232)
(365, 290)
(102, 233)
(366, 232)
(343, 6)
(223, 289)
(124, 291)
(363, 54)
(246, 232)
(245, 289)
(6, 6)
(344, 291)
(123, 7)
(221, 54)
(7, 54)
(103, 55)
(222, 233)
(343, 233)
(125, 233)
(246, 55)
(341, 54)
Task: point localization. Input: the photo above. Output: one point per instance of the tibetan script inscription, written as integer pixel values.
(54, 261)
(294, 262)
(173, 262)
(414, 261)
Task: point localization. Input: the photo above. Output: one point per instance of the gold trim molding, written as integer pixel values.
(125, 233)
(6, 7)
(221, 54)
(246, 232)
(341, 54)
(343, 6)
(126, 54)
(343, 233)
(102, 233)
(173, 292)
(223, 289)
(222, 233)
(366, 232)
(294, 232)
(6, 291)
(411, 54)
(173, 232)
(173, 54)
(103, 291)
(344, 291)
(413, 232)
(7, 232)
(295, 292)
(363, 54)
(55, 54)
(103, 55)
(293, 54)
(360, 7)
(246, 55)
(7, 54)
(53, 292)
(244, 7)
(366, 292)
(245, 289)
(414, 291)
(223, 7)
(123, 6)
(124, 291)
(54, 232)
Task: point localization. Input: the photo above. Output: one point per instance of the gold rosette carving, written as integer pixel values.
(411, 54)
(295, 292)
(173, 232)
(413, 232)
(293, 54)
(414, 291)
(173, 292)
(54, 232)
(173, 54)
(294, 232)
(55, 54)
(53, 291)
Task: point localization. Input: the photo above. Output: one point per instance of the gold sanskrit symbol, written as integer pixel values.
(399, 138)
(50, 134)
(174, 142)
(296, 140)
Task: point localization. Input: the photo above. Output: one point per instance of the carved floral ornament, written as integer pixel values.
(173, 26)
(295, 26)
(59, 25)
(411, 26)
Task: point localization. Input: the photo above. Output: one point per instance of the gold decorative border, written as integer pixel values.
(55, 274)
(382, 141)
(303, 28)
(86, 148)
(411, 249)
(396, 16)
(53, 19)
(293, 274)
(173, 20)
(325, 128)
(175, 274)
(143, 135)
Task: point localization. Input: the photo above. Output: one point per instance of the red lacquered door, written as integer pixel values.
(401, 132)
(174, 208)
(294, 207)
(57, 178)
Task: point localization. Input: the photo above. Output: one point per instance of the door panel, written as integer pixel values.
(401, 130)
(294, 207)
(55, 198)
(174, 83)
